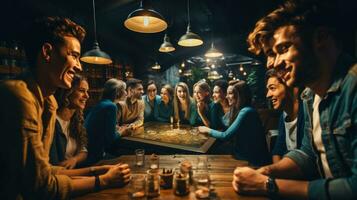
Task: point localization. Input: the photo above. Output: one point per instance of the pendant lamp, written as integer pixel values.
(156, 66)
(190, 39)
(213, 52)
(166, 46)
(96, 56)
(145, 20)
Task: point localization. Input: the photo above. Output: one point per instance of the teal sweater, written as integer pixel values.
(247, 135)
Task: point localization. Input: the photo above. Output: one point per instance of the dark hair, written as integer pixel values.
(49, 30)
(113, 89)
(150, 82)
(273, 73)
(305, 15)
(76, 125)
(170, 90)
(132, 83)
(243, 95)
(222, 84)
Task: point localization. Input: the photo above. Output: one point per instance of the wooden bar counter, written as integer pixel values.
(220, 168)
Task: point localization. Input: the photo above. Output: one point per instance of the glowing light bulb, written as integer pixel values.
(146, 21)
(241, 69)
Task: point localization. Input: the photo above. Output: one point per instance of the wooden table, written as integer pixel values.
(173, 136)
(220, 169)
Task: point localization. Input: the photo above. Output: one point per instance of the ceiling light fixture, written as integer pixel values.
(96, 56)
(213, 75)
(213, 52)
(190, 39)
(156, 66)
(145, 20)
(166, 46)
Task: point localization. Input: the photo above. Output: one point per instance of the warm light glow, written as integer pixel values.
(245, 73)
(241, 68)
(183, 64)
(213, 52)
(156, 66)
(190, 42)
(96, 60)
(213, 75)
(141, 23)
(166, 46)
(146, 21)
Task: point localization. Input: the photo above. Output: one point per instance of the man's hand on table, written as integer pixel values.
(117, 176)
(124, 130)
(249, 181)
(69, 163)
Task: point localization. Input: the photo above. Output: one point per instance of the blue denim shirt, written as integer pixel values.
(338, 119)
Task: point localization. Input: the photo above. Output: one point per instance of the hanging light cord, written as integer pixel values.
(94, 23)
(188, 12)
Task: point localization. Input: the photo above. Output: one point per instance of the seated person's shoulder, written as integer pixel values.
(141, 102)
(17, 88)
(248, 109)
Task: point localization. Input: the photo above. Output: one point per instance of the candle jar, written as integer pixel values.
(202, 185)
(181, 183)
(154, 161)
(166, 177)
(152, 183)
(186, 167)
(137, 187)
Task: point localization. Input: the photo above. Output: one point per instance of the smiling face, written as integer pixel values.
(276, 92)
(218, 95)
(294, 62)
(181, 93)
(199, 94)
(64, 62)
(165, 96)
(137, 92)
(232, 99)
(80, 95)
(151, 91)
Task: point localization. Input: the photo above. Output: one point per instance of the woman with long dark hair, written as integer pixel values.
(184, 105)
(246, 130)
(69, 146)
(165, 110)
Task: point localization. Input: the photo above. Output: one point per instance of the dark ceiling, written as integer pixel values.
(229, 21)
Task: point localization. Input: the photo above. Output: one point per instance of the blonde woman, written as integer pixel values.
(201, 94)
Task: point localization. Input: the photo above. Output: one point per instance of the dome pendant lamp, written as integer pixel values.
(145, 20)
(166, 46)
(213, 52)
(96, 56)
(190, 39)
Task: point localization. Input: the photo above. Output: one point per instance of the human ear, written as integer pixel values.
(46, 51)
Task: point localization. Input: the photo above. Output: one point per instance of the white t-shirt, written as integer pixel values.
(71, 147)
(317, 132)
(290, 133)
